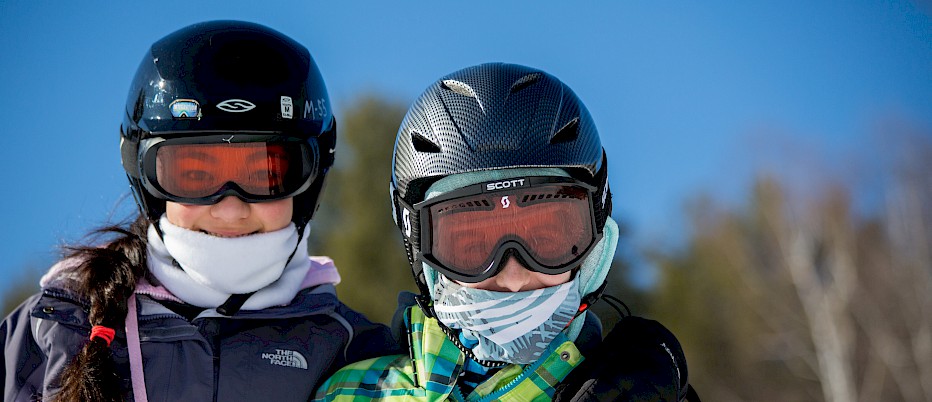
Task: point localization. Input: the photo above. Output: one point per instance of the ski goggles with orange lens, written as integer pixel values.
(546, 222)
(204, 169)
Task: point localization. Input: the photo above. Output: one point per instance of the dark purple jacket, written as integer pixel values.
(275, 354)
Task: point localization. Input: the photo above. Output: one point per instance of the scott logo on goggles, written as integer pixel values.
(500, 185)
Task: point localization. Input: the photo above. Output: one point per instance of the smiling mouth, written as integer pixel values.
(227, 235)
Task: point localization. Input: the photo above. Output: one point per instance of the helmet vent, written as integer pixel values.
(422, 144)
(525, 82)
(459, 87)
(568, 133)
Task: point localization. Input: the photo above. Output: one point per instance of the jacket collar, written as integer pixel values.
(439, 362)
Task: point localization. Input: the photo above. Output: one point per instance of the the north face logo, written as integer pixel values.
(287, 358)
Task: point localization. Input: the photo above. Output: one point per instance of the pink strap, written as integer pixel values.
(135, 353)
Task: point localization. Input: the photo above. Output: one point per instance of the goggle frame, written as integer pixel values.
(148, 152)
(507, 247)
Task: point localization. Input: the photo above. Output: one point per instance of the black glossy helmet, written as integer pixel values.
(486, 117)
(211, 81)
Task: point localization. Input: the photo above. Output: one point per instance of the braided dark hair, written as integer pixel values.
(107, 277)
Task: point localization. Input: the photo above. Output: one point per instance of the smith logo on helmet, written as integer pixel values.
(499, 185)
(236, 105)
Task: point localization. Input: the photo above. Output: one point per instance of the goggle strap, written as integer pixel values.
(411, 248)
(130, 158)
(398, 207)
(602, 210)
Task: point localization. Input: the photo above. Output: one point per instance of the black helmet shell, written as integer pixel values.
(493, 116)
(486, 117)
(228, 76)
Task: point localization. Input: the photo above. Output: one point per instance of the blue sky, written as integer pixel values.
(688, 96)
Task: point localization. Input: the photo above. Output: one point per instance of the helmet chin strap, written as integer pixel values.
(588, 300)
(234, 304)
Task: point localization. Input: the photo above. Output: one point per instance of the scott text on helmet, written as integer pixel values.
(500, 185)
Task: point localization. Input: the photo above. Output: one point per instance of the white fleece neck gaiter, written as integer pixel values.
(204, 270)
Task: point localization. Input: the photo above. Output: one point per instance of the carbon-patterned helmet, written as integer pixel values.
(487, 117)
(229, 78)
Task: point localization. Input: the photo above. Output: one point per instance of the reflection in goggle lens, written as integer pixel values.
(201, 170)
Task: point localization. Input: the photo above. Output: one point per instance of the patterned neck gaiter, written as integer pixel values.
(511, 327)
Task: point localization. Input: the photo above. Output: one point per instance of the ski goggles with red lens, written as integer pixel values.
(204, 169)
(546, 222)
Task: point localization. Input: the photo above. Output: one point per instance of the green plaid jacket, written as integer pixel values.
(430, 372)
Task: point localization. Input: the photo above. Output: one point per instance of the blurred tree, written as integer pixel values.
(802, 299)
(716, 303)
(354, 225)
